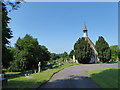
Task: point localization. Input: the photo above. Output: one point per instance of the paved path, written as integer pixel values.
(75, 77)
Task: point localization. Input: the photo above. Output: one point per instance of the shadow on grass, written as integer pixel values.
(10, 76)
(73, 81)
(22, 85)
(107, 78)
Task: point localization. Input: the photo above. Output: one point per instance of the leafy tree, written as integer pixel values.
(114, 52)
(83, 51)
(119, 53)
(103, 49)
(44, 56)
(71, 54)
(54, 56)
(20, 62)
(64, 55)
(28, 53)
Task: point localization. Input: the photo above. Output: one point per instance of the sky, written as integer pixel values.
(58, 25)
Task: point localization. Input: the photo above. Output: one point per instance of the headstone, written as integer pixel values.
(1, 75)
(39, 64)
(77, 61)
(3, 80)
(25, 74)
(28, 76)
(34, 71)
(73, 58)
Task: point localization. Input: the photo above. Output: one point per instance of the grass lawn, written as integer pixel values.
(105, 77)
(36, 80)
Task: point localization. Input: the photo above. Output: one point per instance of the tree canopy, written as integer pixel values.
(6, 35)
(114, 52)
(83, 51)
(28, 53)
(103, 49)
(71, 53)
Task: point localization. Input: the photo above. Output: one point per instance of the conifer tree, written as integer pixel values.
(83, 51)
(6, 31)
(103, 49)
(114, 52)
(6, 35)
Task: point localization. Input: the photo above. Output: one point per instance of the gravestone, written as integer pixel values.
(29, 77)
(4, 80)
(34, 71)
(25, 74)
(39, 64)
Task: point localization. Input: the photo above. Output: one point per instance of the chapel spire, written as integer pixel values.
(85, 28)
(85, 31)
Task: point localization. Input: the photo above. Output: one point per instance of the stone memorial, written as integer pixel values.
(25, 74)
(34, 71)
(4, 80)
(39, 64)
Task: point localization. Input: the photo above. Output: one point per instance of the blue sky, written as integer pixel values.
(59, 25)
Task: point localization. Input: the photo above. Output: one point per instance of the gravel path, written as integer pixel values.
(75, 77)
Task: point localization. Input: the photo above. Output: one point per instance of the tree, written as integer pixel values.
(6, 31)
(28, 54)
(71, 54)
(6, 35)
(83, 51)
(54, 56)
(119, 53)
(64, 55)
(114, 52)
(44, 56)
(103, 49)
(20, 62)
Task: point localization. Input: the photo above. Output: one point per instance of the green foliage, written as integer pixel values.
(27, 53)
(64, 56)
(114, 52)
(119, 53)
(6, 34)
(54, 56)
(103, 49)
(59, 58)
(83, 51)
(71, 54)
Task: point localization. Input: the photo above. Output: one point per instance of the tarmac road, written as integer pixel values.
(75, 77)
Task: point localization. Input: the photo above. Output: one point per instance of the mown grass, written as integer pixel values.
(105, 77)
(36, 80)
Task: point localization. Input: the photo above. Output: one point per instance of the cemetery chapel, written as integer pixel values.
(94, 58)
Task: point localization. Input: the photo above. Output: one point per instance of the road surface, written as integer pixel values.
(75, 77)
